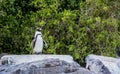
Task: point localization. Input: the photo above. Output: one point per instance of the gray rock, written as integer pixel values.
(1, 55)
(18, 59)
(102, 64)
(48, 66)
(118, 62)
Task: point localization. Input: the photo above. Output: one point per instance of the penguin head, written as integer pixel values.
(38, 29)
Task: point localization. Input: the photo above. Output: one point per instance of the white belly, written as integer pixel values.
(38, 45)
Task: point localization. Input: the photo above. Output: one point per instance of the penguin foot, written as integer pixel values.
(38, 53)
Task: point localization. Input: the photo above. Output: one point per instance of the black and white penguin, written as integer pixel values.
(38, 42)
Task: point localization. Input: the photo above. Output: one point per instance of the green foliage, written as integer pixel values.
(74, 27)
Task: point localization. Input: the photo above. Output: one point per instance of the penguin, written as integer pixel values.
(38, 43)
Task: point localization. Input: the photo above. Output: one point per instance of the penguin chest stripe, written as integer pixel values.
(37, 40)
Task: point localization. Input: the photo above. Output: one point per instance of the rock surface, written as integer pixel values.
(18, 59)
(1, 55)
(102, 64)
(48, 66)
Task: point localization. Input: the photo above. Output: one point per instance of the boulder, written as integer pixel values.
(1, 55)
(102, 64)
(18, 59)
(46, 66)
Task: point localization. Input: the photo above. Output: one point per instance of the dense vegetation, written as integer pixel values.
(75, 27)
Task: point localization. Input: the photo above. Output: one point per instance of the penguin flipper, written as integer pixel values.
(117, 51)
(45, 44)
(32, 43)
